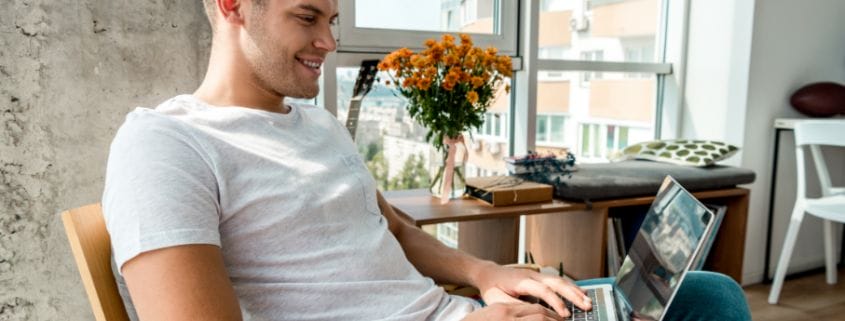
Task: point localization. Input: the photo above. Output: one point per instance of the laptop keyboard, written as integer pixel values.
(597, 313)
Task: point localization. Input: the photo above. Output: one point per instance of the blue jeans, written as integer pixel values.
(702, 296)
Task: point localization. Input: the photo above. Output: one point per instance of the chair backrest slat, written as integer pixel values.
(90, 243)
(820, 132)
(816, 133)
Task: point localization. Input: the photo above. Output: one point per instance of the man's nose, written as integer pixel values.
(326, 40)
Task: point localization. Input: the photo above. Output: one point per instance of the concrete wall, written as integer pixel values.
(745, 59)
(69, 72)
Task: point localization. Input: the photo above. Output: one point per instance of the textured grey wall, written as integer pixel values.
(69, 73)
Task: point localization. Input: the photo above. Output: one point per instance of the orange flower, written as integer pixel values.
(424, 84)
(492, 51)
(466, 40)
(430, 43)
(472, 97)
(477, 82)
(448, 40)
(408, 82)
(419, 61)
(450, 59)
(504, 66)
(453, 77)
(404, 53)
(465, 77)
(430, 71)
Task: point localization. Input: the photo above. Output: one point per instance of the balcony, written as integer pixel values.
(623, 99)
(626, 19)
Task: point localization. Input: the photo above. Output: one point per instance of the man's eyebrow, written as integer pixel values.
(314, 10)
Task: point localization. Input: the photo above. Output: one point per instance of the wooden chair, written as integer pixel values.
(91, 246)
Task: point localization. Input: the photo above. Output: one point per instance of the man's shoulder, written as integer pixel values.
(166, 115)
(159, 125)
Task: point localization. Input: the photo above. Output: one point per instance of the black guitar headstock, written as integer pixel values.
(366, 77)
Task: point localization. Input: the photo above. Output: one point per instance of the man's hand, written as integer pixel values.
(499, 284)
(513, 311)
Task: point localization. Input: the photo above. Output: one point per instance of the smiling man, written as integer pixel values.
(227, 204)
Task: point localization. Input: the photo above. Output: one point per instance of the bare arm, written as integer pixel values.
(496, 283)
(187, 282)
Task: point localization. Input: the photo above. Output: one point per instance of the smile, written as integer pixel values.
(310, 63)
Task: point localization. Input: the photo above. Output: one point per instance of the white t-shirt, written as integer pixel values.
(285, 196)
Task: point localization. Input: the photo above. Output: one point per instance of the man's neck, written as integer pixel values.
(227, 85)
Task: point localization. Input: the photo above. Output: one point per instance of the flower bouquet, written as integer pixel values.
(449, 87)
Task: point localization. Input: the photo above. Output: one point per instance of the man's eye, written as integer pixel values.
(307, 19)
(333, 22)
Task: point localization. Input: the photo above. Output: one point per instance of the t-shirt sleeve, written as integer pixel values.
(160, 188)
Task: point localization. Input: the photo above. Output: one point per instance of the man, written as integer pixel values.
(228, 204)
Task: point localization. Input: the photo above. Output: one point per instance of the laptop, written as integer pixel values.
(675, 233)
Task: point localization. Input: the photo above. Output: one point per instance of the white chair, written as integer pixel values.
(830, 207)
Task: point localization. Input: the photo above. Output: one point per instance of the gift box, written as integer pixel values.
(508, 190)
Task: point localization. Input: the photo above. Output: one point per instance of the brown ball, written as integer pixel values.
(821, 99)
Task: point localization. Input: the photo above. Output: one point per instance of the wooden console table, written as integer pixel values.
(574, 233)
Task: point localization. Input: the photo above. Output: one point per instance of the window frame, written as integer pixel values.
(358, 39)
(521, 128)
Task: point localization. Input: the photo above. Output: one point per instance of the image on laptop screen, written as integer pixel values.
(662, 251)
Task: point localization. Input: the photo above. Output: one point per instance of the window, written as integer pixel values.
(367, 26)
(600, 141)
(448, 234)
(469, 8)
(542, 128)
(602, 71)
(591, 55)
(495, 125)
(623, 99)
(618, 46)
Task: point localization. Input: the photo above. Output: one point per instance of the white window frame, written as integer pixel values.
(669, 71)
(356, 39)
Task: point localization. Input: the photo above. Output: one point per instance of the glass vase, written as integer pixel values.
(438, 181)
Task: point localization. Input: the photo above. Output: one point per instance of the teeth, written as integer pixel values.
(310, 63)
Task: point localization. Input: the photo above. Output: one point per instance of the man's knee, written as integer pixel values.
(709, 296)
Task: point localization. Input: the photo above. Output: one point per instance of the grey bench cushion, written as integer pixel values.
(637, 178)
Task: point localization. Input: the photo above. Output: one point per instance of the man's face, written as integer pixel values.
(286, 43)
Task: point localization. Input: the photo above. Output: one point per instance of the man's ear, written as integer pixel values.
(231, 11)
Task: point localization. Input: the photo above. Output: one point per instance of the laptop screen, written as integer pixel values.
(670, 236)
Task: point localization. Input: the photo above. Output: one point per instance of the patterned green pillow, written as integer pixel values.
(698, 153)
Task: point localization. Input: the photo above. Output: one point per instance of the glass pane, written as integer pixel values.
(394, 147)
(542, 130)
(470, 16)
(497, 119)
(585, 140)
(598, 120)
(557, 128)
(487, 151)
(488, 124)
(620, 30)
(623, 137)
